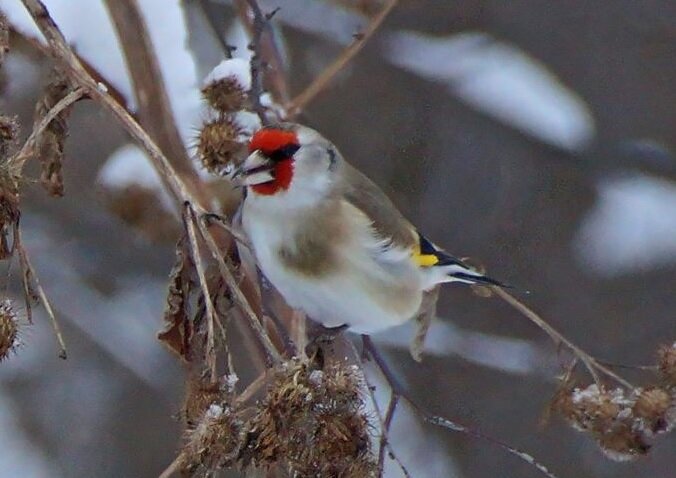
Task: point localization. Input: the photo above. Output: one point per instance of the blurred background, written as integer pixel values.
(536, 137)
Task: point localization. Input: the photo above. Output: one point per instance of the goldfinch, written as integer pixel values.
(330, 240)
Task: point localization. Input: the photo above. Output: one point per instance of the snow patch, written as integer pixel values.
(500, 80)
(631, 228)
(236, 69)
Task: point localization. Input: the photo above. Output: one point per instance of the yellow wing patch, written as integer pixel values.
(422, 259)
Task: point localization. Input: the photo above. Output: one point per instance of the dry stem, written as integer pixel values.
(270, 55)
(297, 104)
(189, 220)
(259, 26)
(30, 273)
(590, 362)
(396, 387)
(154, 109)
(272, 355)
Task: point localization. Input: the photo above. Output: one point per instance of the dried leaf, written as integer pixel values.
(178, 330)
(50, 144)
(426, 313)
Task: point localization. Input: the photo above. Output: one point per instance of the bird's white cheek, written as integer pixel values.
(258, 178)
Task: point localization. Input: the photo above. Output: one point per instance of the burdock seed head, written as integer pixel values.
(225, 88)
(219, 144)
(313, 423)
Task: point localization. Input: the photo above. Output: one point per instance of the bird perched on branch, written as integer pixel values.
(331, 241)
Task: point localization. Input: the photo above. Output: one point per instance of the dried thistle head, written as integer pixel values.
(666, 363)
(200, 395)
(623, 443)
(226, 87)
(313, 423)
(9, 329)
(590, 409)
(219, 144)
(655, 408)
(622, 423)
(225, 95)
(213, 443)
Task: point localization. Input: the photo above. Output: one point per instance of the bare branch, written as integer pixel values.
(29, 274)
(373, 352)
(154, 108)
(189, 221)
(270, 56)
(259, 26)
(324, 79)
(590, 362)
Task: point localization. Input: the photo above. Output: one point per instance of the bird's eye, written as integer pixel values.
(285, 152)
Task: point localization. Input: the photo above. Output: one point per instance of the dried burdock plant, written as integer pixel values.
(50, 143)
(623, 423)
(220, 144)
(226, 87)
(9, 328)
(178, 332)
(312, 423)
(213, 443)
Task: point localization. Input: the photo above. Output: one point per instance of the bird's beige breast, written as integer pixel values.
(316, 245)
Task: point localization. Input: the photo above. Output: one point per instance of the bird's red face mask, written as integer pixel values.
(269, 167)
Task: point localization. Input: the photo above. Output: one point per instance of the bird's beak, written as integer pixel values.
(256, 169)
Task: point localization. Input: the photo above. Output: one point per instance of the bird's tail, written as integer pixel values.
(446, 268)
(467, 275)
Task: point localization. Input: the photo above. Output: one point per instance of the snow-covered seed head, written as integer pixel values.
(623, 443)
(666, 362)
(226, 87)
(213, 442)
(9, 329)
(654, 407)
(200, 395)
(313, 423)
(219, 144)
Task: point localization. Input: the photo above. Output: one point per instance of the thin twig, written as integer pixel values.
(16, 162)
(271, 56)
(30, 274)
(233, 231)
(297, 104)
(154, 108)
(173, 467)
(590, 362)
(389, 414)
(251, 390)
(383, 422)
(260, 24)
(189, 221)
(396, 387)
